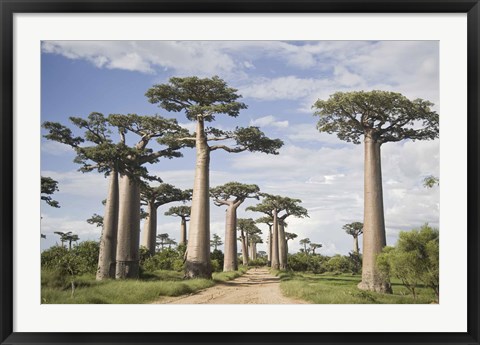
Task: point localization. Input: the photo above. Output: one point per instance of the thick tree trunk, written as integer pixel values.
(282, 247)
(244, 249)
(230, 262)
(254, 251)
(269, 248)
(128, 230)
(198, 263)
(108, 242)
(275, 253)
(183, 231)
(356, 250)
(149, 239)
(374, 238)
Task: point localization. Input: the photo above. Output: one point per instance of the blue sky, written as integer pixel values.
(279, 81)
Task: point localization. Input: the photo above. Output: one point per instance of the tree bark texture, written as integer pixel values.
(128, 230)
(374, 238)
(198, 264)
(269, 248)
(275, 252)
(282, 247)
(183, 231)
(149, 238)
(230, 262)
(356, 249)
(244, 249)
(108, 242)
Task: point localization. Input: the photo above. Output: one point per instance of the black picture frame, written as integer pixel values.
(9, 7)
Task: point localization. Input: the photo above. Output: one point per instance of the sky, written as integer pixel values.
(279, 82)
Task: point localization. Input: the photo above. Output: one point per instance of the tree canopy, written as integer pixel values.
(48, 187)
(386, 116)
(238, 191)
(354, 229)
(204, 97)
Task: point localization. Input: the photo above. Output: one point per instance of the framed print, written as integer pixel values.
(287, 172)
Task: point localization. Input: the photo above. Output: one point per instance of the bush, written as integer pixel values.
(82, 258)
(340, 264)
(218, 256)
(302, 262)
(51, 258)
(414, 260)
(167, 259)
(258, 262)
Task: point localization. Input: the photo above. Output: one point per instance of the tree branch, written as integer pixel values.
(228, 149)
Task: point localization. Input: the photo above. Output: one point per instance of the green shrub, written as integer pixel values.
(218, 256)
(167, 259)
(339, 263)
(258, 262)
(302, 262)
(414, 260)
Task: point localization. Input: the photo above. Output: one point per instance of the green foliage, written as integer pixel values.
(386, 116)
(339, 264)
(179, 211)
(48, 187)
(414, 260)
(82, 259)
(215, 241)
(354, 229)
(431, 181)
(167, 259)
(163, 194)
(96, 219)
(218, 257)
(302, 262)
(238, 191)
(197, 97)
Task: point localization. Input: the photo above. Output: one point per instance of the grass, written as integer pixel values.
(342, 289)
(151, 286)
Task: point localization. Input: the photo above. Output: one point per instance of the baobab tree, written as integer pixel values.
(201, 100)
(254, 239)
(63, 236)
(148, 128)
(314, 246)
(97, 151)
(215, 241)
(48, 186)
(354, 229)
(246, 226)
(232, 194)
(380, 117)
(279, 208)
(183, 212)
(153, 198)
(269, 221)
(305, 242)
(163, 239)
(289, 236)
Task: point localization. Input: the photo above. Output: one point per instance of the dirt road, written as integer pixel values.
(257, 286)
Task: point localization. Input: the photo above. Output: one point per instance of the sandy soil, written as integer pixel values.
(257, 286)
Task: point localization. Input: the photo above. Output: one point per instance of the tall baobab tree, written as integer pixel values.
(97, 151)
(314, 246)
(63, 236)
(201, 100)
(232, 194)
(163, 239)
(48, 187)
(148, 128)
(279, 208)
(380, 117)
(215, 241)
(247, 227)
(153, 198)
(305, 242)
(289, 236)
(254, 239)
(354, 229)
(183, 212)
(269, 221)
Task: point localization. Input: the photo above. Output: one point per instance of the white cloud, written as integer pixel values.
(268, 121)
